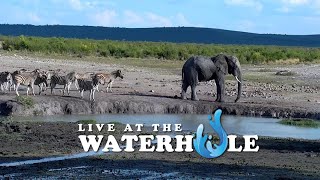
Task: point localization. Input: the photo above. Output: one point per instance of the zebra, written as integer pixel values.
(42, 83)
(82, 76)
(109, 78)
(13, 83)
(90, 84)
(65, 80)
(5, 80)
(27, 79)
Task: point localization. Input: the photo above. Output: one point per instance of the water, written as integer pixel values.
(232, 124)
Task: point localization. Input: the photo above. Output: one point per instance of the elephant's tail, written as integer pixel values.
(182, 75)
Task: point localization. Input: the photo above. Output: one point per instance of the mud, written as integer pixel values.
(146, 103)
(276, 159)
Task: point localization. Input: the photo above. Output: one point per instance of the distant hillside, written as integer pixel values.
(174, 34)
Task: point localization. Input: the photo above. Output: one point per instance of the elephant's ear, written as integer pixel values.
(222, 69)
(221, 63)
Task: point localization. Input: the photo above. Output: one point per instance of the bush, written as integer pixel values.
(247, 54)
(26, 101)
(301, 122)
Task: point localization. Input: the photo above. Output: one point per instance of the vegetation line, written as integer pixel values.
(301, 123)
(247, 54)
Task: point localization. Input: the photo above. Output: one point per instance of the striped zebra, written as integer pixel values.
(27, 79)
(65, 80)
(90, 84)
(41, 82)
(5, 80)
(109, 78)
(82, 76)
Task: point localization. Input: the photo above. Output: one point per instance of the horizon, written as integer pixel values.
(292, 17)
(164, 28)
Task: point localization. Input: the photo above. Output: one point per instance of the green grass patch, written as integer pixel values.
(301, 123)
(87, 121)
(26, 101)
(81, 48)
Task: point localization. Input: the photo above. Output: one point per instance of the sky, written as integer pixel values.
(258, 16)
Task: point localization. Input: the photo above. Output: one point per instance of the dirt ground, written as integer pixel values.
(262, 89)
(277, 158)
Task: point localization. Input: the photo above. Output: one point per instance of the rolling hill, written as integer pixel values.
(166, 34)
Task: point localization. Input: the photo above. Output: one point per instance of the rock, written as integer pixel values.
(151, 91)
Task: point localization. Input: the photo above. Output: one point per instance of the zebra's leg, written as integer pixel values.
(90, 96)
(10, 87)
(93, 91)
(27, 90)
(32, 88)
(111, 87)
(76, 84)
(52, 85)
(81, 93)
(108, 88)
(7, 86)
(68, 87)
(17, 87)
(64, 89)
(40, 88)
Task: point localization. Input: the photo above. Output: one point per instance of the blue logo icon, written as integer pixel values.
(202, 143)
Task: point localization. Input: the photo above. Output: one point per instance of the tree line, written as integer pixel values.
(247, 54)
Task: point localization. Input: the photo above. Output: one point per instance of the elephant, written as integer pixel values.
(198, 69)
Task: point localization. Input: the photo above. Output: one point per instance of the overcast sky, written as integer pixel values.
(260, 16)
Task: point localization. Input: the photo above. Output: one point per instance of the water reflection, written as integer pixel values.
(232, 124)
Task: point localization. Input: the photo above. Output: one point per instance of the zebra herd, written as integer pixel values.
(83, 82)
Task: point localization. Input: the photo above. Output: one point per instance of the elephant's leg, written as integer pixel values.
(220, 89)
(184, 88)
(194, 96)
(222, 93)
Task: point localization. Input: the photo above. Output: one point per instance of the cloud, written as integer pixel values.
(105, 18)
(182, 20)
(79, 5)
(295, 2)
(246, 25)
(132, 18)
(157, 20)
(76, 4)
(284, 9)
(257, 5)
(33, 18)
(290, 5)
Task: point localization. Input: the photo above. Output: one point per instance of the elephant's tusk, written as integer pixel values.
(238, 79)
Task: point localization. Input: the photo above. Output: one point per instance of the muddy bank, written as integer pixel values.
(149, 103)
(276, 159)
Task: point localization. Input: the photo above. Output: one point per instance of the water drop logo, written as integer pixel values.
(202, 143)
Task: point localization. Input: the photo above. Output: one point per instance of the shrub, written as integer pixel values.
(160, 50)
(26, 101)
(301, 122)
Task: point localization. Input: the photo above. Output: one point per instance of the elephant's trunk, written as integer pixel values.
(239, 79)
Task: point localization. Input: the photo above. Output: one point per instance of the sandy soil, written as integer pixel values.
(261, 87)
